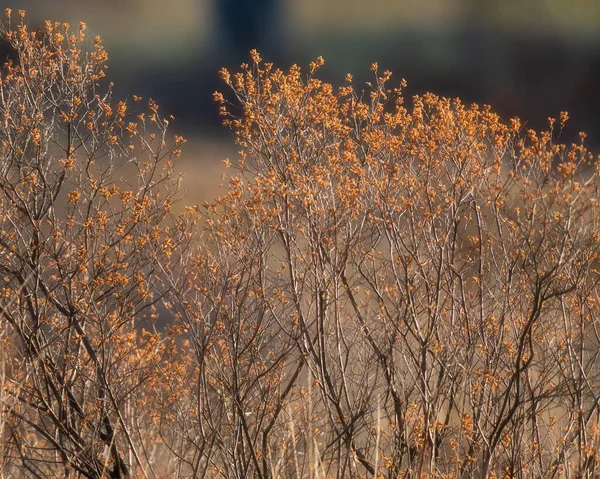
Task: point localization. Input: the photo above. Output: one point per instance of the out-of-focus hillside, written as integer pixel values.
(575, 17)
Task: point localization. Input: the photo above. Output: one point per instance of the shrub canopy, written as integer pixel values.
(384, 290)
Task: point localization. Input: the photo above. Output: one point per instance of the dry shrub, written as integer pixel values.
(382, 290)
(86, 238)
(422, 279)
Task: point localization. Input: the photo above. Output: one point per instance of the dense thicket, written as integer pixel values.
(381, 290)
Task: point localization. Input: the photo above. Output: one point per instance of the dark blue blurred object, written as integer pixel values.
(244, 25)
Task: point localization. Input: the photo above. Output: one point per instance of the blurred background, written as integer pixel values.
(526, 58)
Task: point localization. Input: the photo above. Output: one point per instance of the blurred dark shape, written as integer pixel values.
(7, 53)
(546, 74)
(186, 92)
(244, 25)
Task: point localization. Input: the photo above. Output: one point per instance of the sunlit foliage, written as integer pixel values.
(382, 290)
(86, 234)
